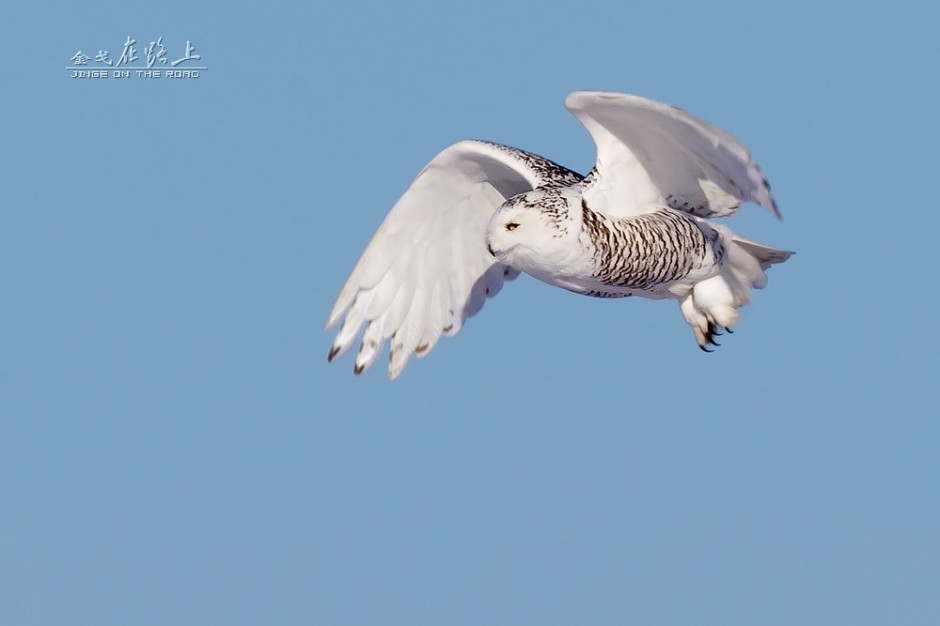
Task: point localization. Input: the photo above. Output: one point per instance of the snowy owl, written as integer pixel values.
(481, 212)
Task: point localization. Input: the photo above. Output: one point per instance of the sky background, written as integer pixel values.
(175, 449)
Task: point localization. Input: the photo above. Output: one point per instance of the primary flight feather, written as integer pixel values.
(481, 212)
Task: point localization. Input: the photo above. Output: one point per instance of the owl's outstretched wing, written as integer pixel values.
(650, 155)
(427, 268)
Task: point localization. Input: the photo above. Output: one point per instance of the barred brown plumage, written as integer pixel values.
(645, 250)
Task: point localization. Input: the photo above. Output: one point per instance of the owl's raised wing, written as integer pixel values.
(650, 154)
(427, 268)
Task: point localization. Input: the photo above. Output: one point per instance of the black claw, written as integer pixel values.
(704, 349)
(730, 332)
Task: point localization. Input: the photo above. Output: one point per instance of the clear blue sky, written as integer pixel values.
(174, 448)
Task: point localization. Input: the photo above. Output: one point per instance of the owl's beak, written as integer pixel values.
(489, 245)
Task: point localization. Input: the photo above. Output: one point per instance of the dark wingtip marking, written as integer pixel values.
(419, 350)
(333, 352)
(358, 369)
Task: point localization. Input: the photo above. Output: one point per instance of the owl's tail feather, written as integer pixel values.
(713, 303)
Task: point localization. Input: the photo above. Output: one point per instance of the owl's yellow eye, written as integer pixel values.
(512, 226)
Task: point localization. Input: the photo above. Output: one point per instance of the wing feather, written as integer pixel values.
(650, 154)
(426, 269)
